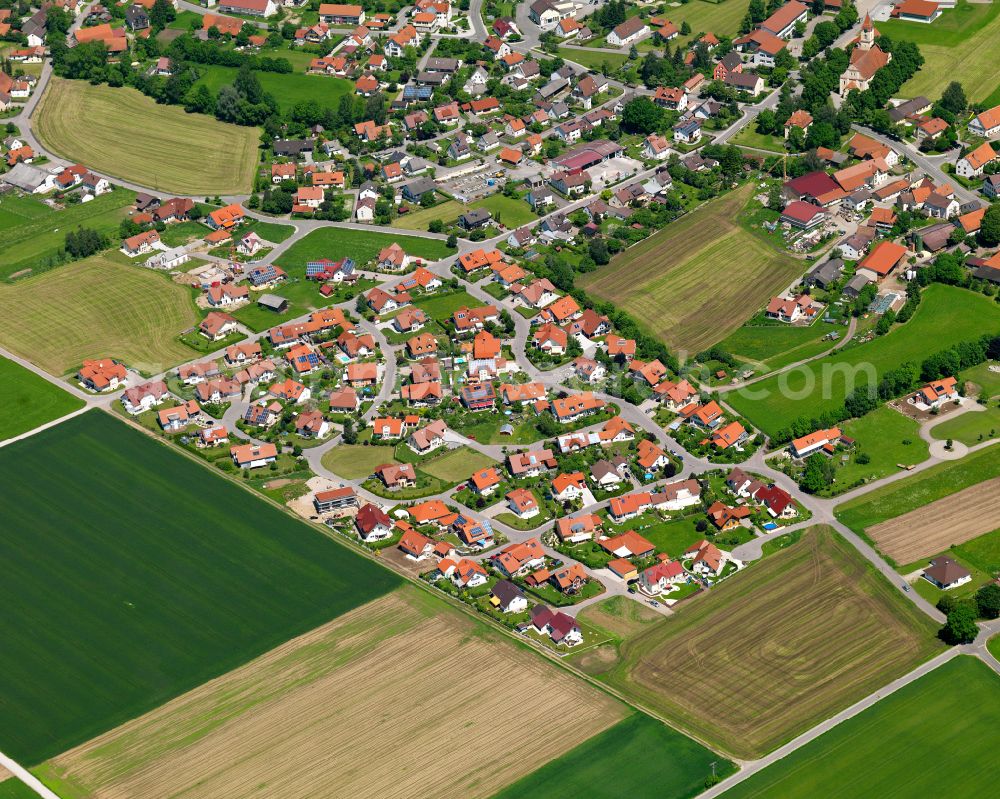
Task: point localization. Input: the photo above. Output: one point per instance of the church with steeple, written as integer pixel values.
(867, 58)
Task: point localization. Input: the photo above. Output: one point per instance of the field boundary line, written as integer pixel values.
(25, 776)
(46, 426)
(751, 768)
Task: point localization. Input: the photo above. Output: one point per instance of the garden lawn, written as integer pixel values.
(123, 133)
(440, 307)
(288, 89)
(673, 537)
(983, 552)
(509, 211)
(670, 282)
(97, 308)
(946, 316)
(419, 218)
(768, 347)
(593, 59)
(971, 427)
(988, 381)
(361, 245)
(354, 461)
(672, 766)
(455, 465)
(168, 575)
(749, 137)
(28, 401)
(32, 234)
(914, 492)
(893, 750)
(960, 46)
(880, 435)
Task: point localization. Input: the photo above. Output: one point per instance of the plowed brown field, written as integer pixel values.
(402, 697)
(933, 528)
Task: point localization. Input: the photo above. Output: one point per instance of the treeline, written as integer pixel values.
(896, 382)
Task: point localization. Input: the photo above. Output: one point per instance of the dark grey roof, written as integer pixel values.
(506, 592)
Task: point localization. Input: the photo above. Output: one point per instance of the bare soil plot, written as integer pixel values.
(943, 523)
(401, 697)
(773, 651)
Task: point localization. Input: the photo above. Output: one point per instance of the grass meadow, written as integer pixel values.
(946, 316)
(959, 45)
(32, 234)
(971, 427)
(28, 401)
(361, 245)
(697, 280)
(803, 634)
(894, 749)
(97, 308)
(288, 89)
(123, 133)
(671, 766)
(140, 578)
(770, 347)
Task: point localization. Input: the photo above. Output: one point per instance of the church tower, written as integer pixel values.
(867, 38)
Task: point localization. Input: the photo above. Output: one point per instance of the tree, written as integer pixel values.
(161, 14)
(685, 28)
(817, 475)
(350, 434)
(960, 627)
(598, 249)
(775, 200)
(452, 241)
(953, 98)
(988, 601)
(989, 228)
(641, 115)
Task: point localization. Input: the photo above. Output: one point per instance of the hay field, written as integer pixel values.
(97, 308)
(770, 653)
(934, 528)
(123, 133)
(960, 45)
(28, 401)
(401, 697)
(697, 280)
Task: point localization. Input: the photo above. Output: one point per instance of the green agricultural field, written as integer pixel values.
(123, 133)
(140, 577)
(361, 245)
(15, 789)
(288, 89)
(104, 309)
(669, 282)
(988, 381)
(671, 766)
(776, 645)
(946, 316)
(893, 750)
(32, 234)
(769, 347)
(28, 401)
(914, 492)
(881, 435)
(959, 45)
(971, 427)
